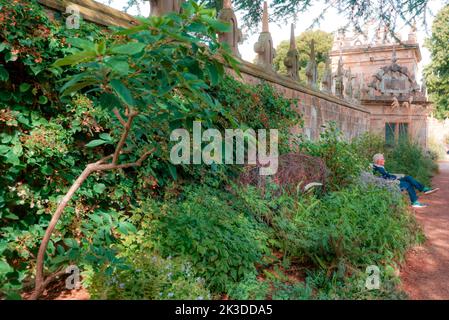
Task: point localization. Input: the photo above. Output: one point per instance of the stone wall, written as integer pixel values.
(315, 107)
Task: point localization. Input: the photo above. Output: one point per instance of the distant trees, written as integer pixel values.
(437, 72)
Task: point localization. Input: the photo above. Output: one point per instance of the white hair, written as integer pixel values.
(377, 157)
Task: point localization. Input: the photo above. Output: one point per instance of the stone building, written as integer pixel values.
(384, 72)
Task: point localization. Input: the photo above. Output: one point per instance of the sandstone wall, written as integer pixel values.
(316, 108)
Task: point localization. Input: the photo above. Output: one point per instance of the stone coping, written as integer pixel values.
(259, 72)
(94, 12)
(388, 100)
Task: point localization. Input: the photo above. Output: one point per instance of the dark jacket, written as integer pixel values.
(380, 171)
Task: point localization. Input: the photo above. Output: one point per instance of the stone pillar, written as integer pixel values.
(264, 46)
(326, 83)
(234, 37)
(292, 59)
(311, 69)
(349, 92)
(339, 86)
(412, 34)
(161, 7)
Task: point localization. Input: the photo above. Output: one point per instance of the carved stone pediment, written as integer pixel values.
(394, 79)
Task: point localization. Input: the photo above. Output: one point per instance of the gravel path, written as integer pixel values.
(426, 271)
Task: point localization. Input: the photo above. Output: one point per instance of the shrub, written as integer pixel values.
(340, 156)
(149, 277)
(410, 159)
(250, 288)
(215, 232)
(351, 228)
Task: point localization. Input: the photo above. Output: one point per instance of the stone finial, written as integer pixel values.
(378, 36)
(339, 86)
(412, 34)
(227, 4)
(312, 69)
(349, 87)
(292, 59)
(264, 46)
(357, 92)
(265, 26)
(233, 37)
(385, 35)
(424, 88)
(326, 83)
(161, 7)
(394, 56)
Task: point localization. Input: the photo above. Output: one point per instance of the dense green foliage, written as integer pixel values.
(160, 231)
(323, 45)
(437, 72)
(405, 157)
(48, 138)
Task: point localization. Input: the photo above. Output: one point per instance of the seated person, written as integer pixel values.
(405, 183)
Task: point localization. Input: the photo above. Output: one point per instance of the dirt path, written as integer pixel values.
(426, 271)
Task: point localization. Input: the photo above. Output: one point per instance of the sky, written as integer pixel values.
(281, 31)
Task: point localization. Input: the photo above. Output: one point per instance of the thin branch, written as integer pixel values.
(121, 143)
(100, 165)
(119, 117)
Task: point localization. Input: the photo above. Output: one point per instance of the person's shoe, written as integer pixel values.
(430, 190)
(418, 204)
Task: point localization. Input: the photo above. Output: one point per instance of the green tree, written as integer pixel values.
(323, 44)
(437, 72)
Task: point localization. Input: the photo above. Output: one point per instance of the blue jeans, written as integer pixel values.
(410, 184)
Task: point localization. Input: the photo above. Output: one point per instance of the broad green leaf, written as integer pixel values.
(76, 58)
(100, 47)
(121, 67)
(4, 75)
(122, 92)
(99, 188)
(12, 158)
(131, 48)
(77, 87)
(110, 101)
(43, 100)
(4, 149)
(218, 25)
(3, 46)
(71, 243)
(129, 226)
(106, 137)
(172, 170)
(95, 143)
(81, 43)
(24, 87)
(213, 74)
(11, 216)
(5, 267)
